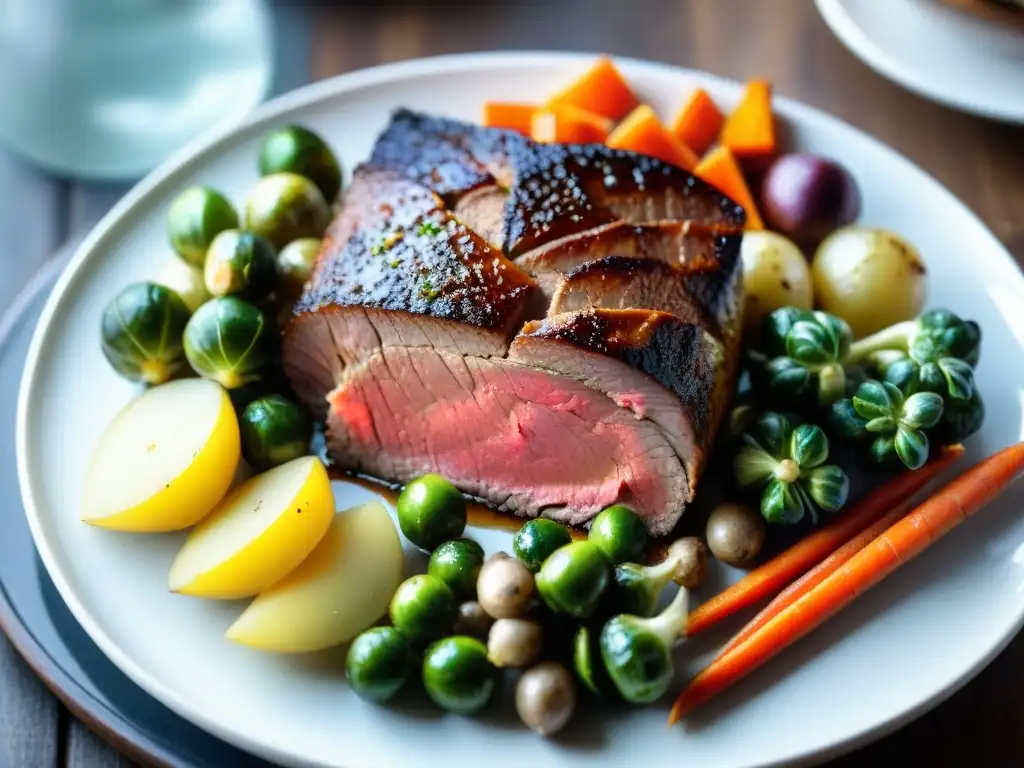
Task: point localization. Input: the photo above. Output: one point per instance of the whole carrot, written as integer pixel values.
(778, 572)
(899, 543)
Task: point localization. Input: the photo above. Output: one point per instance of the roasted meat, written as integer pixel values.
(554, 328)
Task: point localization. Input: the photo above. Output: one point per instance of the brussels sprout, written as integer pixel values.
(230, 341)
(537, 540)
(284, 207)
(457, 563)
(431, 511)
(574, 579)
(505, 587)
(586, 659)
(898, 424)
(423, 608)
(619, 533)
(274, 430)
(790, 464)
(141, 331)
(636, 588)
(457, 675)
(195, 217)
(294, 149)
(637, 652)
(960, 419)
(240, 264)
(801, 357)
(295, 264)
(379, 664)
(186, 281)
(546, 698)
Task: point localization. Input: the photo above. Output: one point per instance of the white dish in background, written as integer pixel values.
(899, 649)
(939, 52)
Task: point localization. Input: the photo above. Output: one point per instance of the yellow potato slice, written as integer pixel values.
(164, 461)
(341, 589)
(258, 534)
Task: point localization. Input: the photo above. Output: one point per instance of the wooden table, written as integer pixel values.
(783, 40)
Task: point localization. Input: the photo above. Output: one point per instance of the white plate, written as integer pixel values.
(901, 648)
(938, 52)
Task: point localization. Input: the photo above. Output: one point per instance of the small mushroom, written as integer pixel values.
(514, 643)
(735, 533)
(473, 620)
(505, 587)
(546, 698)
(692, 561)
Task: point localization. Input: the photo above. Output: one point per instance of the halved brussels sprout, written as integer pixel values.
(141, 332)
(230, 341)
(295, 264)
(284, 207)
(240, 264)
(294, 149)
(195, 217)
(274, 430)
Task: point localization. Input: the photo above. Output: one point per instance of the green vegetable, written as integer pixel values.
(619, 533)
(637, 651)
(141, 330)
(195, 217)
(230, 341)
(423, 608)
(801, 357)
(537, 540)
(186, 281)
(587, 662)
(431, 511)
(790, 464)
(897, 424)
(284, 207)
(457, 675)
(379, 664)
(936, 352)
(960, 419)
(636, 588)
(274, 430)
(295, 263)
(574, 579)
(457, 563)
(240, 264)
(295, 149)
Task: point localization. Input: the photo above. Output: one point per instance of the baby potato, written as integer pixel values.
(870, 277)
(341, 589)
(165, 460)
(258, 534)
(775, 274)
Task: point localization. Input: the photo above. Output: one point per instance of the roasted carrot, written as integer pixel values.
(644, 133)
(901, 542)
(509, 115)
(699, 122)
(601, 89)
(569, 125)
(720, 169)
(749, 130)
(769, 578)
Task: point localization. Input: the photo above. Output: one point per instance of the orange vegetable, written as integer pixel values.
(569, 125)
(509, 115)
(899, 543)
(720, 169)
(644, 133)
(699, 122)
(601, 89)
(750, 130)
(769, 578)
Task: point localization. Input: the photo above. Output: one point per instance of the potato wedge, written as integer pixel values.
(342, 588)
(258, 534)
(164, 461)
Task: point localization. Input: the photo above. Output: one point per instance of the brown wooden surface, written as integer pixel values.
(782, 40)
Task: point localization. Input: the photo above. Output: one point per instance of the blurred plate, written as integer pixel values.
(298, 710)
(939, 52)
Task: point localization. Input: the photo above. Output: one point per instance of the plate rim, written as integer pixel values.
(310, 95)
(869, 53)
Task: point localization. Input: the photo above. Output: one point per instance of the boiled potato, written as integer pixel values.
(870, 277)
(258, 534)
(775, 274)
(165, 460)
(341, 589)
